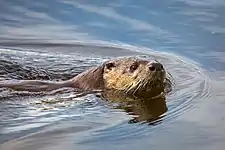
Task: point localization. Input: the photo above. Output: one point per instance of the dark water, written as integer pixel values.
(56, 40)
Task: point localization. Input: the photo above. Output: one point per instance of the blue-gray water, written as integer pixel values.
(59, 38)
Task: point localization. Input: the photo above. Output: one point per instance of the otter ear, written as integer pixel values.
(109, 65)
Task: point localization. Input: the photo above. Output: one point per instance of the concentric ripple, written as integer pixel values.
(25, 113)
(191, 86)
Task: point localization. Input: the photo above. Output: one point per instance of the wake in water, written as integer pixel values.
(14, 70)
(34, 111)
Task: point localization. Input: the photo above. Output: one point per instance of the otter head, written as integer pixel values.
(134, 76)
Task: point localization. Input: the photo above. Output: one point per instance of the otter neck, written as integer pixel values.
(89, 80)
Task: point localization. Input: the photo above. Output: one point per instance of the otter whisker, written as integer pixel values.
(127, 89)
(133, 86)
(150, 81)
(142, 84)
(147, 82)
(138, 86)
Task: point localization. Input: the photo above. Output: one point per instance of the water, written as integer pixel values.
(56, 40)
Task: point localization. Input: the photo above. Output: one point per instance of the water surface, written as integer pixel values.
(55, 40)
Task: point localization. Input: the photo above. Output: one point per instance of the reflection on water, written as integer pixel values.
(29, 114)
(56, 40)
(148, 110)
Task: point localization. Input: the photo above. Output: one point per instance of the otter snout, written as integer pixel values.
(155, 66)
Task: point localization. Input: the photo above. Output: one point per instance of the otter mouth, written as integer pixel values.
(154, 83)
(157, 76)
(151, 89)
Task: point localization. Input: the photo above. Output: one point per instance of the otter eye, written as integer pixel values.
(133, 67)
(110, 65)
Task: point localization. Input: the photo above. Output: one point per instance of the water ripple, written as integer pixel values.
(190, 86)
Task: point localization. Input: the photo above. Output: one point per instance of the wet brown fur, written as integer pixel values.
(104, 77)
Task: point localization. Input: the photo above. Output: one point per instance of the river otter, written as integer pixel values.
(129, 75)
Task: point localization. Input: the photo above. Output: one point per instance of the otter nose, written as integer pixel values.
(155, 66)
